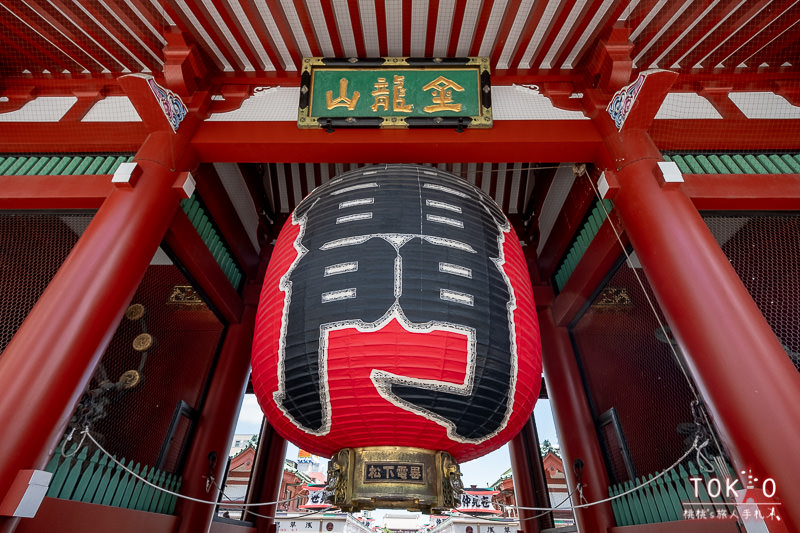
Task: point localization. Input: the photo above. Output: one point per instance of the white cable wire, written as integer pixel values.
(621, 494)
(66, 455)
(500, 520)
(318, 511)
(162, 489)
(86, 433)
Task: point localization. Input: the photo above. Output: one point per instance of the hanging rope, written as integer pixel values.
(69, 438)
(88, 435)
(695, 446)
(318, 511)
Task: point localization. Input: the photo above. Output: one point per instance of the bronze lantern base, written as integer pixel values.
(393, 477)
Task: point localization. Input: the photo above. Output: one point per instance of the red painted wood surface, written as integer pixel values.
(65, 516)
(740, 367)
(757, 192)
(63, 337)
(577, 434)
(542, 141)
(681, 526)
(217, 424)
(54, 192)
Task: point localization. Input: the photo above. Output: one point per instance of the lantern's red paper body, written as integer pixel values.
(390, 380)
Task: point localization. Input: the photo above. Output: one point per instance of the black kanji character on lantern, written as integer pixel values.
(417, 243)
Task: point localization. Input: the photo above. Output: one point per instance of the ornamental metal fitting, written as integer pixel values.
(393, 477)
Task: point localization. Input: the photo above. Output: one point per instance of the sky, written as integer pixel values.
(481, 472)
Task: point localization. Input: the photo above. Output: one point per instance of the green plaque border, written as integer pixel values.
(480, 64)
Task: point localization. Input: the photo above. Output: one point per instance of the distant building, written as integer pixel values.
(468, 524)
(478, 501)
(240, 442)
(402, 522)
(237, 481)
(320, 523)
(293, 491)
(556, 489)
(505, 498)
(310, 465)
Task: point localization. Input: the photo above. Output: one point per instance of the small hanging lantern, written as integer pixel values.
(316, 496)
(478, 501)
(397, 334)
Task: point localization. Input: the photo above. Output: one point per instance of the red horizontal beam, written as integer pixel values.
(193, 254)
(530, 141)
(54, 192)
(757, 192)
(65, 515)
(55, 137)
(222, 211)
(580, 199)
(601, 255)
(728, 135)
(63, 85)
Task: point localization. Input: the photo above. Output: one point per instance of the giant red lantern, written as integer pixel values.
(397, 317)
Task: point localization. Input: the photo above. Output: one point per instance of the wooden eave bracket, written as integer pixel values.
(610, 64)
(632, 107)
(789, 90)
(153, 111)
(559, 94)
(234, 96)
(13, 98)
(86, 100)
(717, 95)
(184, 65)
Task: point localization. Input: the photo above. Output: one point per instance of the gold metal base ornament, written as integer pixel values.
(393, 477)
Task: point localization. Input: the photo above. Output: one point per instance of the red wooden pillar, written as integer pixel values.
(218, 421)
(743, 374)
(267, 476)
(745, 377)
(576, 428)
(530, 485)
(47, 364)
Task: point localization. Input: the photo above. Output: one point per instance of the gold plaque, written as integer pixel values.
(395, 92)
(613, 299)
(142, 342)
(185, 296)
